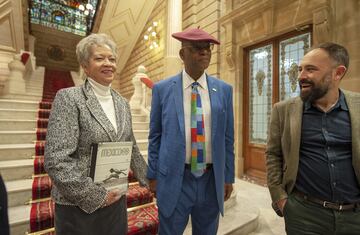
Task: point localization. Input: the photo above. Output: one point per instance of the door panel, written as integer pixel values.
(259, 101)
(271, 71)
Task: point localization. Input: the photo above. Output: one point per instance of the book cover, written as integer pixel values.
(110, 164)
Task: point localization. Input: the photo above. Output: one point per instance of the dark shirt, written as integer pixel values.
(325, 165)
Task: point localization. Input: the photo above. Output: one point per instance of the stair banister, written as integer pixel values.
(142, 91)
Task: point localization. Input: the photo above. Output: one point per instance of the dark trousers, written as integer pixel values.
(110, 220)
(198, 199)
(4, 219)
(307, 218)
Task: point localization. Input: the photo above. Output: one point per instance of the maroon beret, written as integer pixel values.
(192, 34)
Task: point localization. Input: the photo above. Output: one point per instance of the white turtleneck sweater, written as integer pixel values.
(105, 99)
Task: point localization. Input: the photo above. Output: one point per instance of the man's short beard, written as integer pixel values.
(315, 94)
(317, 91)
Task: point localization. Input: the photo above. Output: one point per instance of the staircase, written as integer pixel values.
(22, 138)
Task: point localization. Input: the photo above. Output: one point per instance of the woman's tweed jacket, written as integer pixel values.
(77, 120)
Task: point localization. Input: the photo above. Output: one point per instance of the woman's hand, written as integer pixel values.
(112, 196)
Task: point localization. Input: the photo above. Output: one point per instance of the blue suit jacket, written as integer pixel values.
(166, 156)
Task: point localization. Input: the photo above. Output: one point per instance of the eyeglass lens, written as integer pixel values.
(200, 47)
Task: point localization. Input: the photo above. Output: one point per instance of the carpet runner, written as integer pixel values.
(142, 211)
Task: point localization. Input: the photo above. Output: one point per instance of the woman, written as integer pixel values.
(81, 116)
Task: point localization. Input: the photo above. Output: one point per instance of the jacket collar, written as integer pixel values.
(96, 110)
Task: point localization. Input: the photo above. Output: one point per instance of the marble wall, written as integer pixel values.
(152, 59)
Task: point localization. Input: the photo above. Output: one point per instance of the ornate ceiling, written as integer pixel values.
(124, 21)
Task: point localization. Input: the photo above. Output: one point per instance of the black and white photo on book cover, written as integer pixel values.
(110, 164)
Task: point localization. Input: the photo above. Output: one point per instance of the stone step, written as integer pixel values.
(141, 134)
(145, 155)
(140, 125)
(19, 192)
(30, 124)
(18, 104)
(142, 144)
(17, 125)
(18, 114)
(26, 151)
(35, 89)
(27, 96)
(16, 151)
(138, 118)
(29, 136)
(35, 82)
(19, 219)
(17, 169)
(17, 137)
(135, 110)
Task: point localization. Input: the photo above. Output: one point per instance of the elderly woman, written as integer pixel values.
(80, 117)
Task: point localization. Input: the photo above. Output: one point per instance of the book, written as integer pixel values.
(110, 164)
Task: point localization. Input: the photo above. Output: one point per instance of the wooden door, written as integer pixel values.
(258, 100)
(270, 76)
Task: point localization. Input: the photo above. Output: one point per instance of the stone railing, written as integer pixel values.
(20, 68)
(141, 98)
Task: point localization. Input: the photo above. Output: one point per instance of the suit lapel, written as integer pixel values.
(295, 113)
(179, 103)
(214, 102)
(120, 113)
(96, 110)
(353, 104)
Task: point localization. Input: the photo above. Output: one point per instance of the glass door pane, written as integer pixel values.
(291, 51)
(260, 93)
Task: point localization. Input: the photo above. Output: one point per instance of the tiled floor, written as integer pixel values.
(252, 212)
(269, 222)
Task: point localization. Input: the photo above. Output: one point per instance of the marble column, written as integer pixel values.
(172, 61)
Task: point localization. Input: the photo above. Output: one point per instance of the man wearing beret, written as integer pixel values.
(191, 141)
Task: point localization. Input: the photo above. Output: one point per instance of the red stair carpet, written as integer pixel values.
(142, 212)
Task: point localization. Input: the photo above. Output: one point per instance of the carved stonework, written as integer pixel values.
(260, 77)
(229, 59)
(293, 74)
(55, 52)
(321, 27)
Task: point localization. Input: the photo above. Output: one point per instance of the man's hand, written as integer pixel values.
(227, 191)
(281, 204)
(152, 186)
(111, 197)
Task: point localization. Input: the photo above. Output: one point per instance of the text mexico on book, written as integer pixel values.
(110, 164)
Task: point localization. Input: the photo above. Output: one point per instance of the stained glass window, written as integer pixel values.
(65, 15)
(271, 81)
(291, 51)
(260, 92)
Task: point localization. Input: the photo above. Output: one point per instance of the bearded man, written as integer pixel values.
(313, 149)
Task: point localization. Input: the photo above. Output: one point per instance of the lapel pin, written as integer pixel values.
(214, 89)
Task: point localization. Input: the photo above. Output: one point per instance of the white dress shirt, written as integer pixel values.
(205, 102)
(105, 99)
